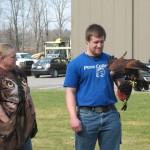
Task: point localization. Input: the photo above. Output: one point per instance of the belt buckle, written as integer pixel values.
(98, 109)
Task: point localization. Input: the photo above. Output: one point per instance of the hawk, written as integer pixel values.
(130, 68)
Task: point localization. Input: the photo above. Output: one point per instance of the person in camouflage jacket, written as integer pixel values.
(17, 114)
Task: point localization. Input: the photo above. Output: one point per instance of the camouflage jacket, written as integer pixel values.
(14, 90)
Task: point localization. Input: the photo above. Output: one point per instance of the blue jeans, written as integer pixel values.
(104, 127)
(27, 145)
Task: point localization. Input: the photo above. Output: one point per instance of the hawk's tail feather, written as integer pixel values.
(124, 107)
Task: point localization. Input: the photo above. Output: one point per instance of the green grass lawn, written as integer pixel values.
(54, 128)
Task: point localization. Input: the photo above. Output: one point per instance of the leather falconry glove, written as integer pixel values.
(124, 92)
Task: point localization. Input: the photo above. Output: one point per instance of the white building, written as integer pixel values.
(127, 25)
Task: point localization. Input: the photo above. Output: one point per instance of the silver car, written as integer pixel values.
(146, 76)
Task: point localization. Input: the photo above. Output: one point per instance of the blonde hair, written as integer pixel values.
(5, 48)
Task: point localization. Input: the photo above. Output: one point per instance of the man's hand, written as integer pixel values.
(75, 124)
(124, 90)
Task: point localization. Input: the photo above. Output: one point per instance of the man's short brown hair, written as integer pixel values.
(94, 30)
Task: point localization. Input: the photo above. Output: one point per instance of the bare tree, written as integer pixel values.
(0, 9)
(28, 23)
(24, 19)
(47, 20)
(15, 7)
(39, 20)
(15, 15)
(60, 7)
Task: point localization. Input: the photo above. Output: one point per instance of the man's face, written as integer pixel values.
(95, 45)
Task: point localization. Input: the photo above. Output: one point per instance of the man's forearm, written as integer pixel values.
(71, 103)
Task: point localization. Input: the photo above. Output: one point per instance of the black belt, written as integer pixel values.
(97, 109)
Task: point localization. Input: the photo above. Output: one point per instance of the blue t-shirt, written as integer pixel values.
(92, 79)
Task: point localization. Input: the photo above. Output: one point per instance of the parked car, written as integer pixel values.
(146, 76)
(49, 66)
(25, 61)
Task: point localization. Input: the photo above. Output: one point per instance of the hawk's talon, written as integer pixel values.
(133, 83)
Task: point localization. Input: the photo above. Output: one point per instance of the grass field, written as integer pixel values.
(54, 129)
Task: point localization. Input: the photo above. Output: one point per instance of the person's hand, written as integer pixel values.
(124, 90)
(5, 119)
(3, 116)
(75, 124)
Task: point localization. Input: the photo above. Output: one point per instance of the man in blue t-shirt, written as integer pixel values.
(90, 87)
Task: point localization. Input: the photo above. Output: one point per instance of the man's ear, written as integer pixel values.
(87, 44)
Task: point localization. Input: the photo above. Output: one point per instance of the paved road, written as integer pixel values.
(45, 82)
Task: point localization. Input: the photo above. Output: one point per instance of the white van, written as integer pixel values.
(25, 61)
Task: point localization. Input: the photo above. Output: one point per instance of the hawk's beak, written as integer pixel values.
(112, 72)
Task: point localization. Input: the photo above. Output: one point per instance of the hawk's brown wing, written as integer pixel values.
(130, 68)
(136, 64)
(116, 65)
